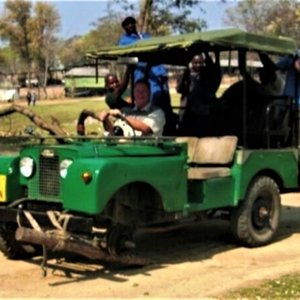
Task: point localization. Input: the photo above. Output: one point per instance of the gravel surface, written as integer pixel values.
(198, 261)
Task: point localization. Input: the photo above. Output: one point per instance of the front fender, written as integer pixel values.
(167, 175)
(10, 187)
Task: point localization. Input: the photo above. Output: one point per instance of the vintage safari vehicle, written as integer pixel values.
(90, 196)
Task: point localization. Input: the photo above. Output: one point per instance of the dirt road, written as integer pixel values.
(199, 261)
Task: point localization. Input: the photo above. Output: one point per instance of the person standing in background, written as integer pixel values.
(33, 98)
(28, 97)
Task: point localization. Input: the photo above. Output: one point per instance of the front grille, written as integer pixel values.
(49, 176)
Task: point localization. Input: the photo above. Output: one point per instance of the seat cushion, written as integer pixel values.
(210, 150)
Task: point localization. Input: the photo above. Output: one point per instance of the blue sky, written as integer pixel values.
(77, 16)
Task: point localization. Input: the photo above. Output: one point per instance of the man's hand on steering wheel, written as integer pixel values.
(115, 113)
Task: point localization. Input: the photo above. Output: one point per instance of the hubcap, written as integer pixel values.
(119, 240)
(261, 213)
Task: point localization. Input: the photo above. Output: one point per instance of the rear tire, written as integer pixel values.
(255, 221)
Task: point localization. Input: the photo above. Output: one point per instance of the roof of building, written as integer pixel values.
(87, 71)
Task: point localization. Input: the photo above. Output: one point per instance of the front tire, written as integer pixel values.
(255, 221)
(118, 238)
(11, 248)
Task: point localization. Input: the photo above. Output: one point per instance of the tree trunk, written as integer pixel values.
(45, 77)
(56, 240)
(145, 15)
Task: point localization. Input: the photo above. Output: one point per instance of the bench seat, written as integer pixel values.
(209, 157)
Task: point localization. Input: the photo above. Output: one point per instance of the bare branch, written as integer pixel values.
(54, 129)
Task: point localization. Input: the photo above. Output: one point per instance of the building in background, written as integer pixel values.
(82, 81)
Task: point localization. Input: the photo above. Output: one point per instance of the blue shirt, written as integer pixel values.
(292, 83)
(127, 39)
(158, 75)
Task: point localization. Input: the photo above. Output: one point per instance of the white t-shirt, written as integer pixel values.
(152, 116)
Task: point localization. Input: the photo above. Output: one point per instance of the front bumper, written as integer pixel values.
(75, 224)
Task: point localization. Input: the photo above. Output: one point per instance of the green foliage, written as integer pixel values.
(166, 16)
(9, 61)
(283, 19)
(106, 33)
(175, 17)
(44, 25)
(29, 31)
(286, 287)
(72, 52)
(277, 17)
(15, 26)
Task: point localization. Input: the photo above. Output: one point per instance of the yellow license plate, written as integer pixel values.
(2, 188)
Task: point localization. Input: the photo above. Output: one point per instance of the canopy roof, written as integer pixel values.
(178, 49)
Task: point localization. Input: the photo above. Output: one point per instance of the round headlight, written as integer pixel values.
(63, 167)
(26, 166)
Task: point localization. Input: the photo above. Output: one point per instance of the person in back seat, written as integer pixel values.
(253, 93)
(291, 65)
(197, 87)
(269, 77)
(115, 90)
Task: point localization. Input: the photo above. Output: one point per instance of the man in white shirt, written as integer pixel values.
(144, 118)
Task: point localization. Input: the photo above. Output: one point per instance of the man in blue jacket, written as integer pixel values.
(157, 75)
(131, 34)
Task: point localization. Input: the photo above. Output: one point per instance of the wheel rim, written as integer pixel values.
(116, 240)
(261, 213)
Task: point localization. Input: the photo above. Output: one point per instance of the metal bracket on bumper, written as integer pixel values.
(75, 223)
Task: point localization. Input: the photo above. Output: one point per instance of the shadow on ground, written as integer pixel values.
(195, 242)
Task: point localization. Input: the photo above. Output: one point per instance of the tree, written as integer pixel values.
(44, 25)
(72, 51)
(284, 19)
(105, 33)
(166, 16)
(278, 17)
(15, 28)
(9, 63)
(158, 18)
(29, 36)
